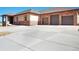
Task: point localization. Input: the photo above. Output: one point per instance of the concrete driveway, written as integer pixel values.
(40, 38)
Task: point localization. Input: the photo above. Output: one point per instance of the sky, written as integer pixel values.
(14, 10)
(5, 10)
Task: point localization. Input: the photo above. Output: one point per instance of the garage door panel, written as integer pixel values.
(67, 20)
(54, 19)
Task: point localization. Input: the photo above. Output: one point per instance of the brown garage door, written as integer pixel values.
(54, 20)
(67, 20)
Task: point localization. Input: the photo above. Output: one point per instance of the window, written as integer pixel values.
(25, 18)
(45, 21)
(17, 18)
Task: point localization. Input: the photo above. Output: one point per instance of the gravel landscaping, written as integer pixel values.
(4, 33)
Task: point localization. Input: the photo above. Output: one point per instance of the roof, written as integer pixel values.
(49, 10)
(10, 14)
(58, 9)
(29, 10)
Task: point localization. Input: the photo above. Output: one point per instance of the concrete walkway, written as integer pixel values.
(40, 38)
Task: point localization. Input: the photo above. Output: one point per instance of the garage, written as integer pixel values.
(54, 19)
(67, 20)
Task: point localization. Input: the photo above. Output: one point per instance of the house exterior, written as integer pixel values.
(51, 16)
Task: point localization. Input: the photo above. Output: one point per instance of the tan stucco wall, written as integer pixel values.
(34, 19)
(65, 13)
(78, 18)
(31, 18)
(20, 17)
